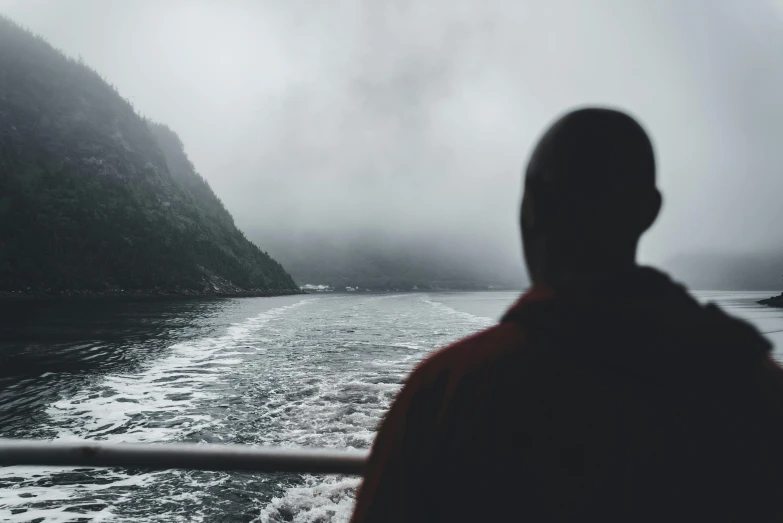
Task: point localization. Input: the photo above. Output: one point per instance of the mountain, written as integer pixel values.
(96, 199)
(379, 262)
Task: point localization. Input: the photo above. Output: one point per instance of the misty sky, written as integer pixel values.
(416, 117)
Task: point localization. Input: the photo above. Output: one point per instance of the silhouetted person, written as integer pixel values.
(606, 393)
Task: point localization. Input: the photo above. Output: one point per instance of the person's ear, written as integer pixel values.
(528, 210)
(650, 209)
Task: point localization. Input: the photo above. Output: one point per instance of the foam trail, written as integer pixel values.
(330, 499)
(319, 373)
(317, 501)
(120, 408)
(155, 404)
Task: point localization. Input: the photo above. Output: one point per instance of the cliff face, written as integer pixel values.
(94, 198)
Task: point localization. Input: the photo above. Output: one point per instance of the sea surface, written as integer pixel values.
(297, 371)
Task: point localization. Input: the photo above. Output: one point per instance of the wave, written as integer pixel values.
(318, 500)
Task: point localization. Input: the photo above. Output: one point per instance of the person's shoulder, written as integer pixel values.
(473, 352)
(771, 376)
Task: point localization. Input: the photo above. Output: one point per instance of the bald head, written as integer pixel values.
(589, 194)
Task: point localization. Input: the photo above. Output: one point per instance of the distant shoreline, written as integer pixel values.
(154, 293)
(11, 296)
(407, 291)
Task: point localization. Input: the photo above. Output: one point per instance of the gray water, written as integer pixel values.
(297, 371)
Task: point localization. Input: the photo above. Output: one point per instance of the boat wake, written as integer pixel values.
(319, 372)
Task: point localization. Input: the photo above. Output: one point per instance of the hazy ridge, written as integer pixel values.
(376, 261)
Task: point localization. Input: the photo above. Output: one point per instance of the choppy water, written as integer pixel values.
(298, 371)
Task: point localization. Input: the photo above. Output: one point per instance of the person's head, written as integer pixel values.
(589, 195)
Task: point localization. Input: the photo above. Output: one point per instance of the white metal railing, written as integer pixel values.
(180, 456)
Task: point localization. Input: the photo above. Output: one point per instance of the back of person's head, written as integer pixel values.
(589, 195)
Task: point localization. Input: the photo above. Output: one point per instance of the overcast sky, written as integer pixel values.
(418, 117)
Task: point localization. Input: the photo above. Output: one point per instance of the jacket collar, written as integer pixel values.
(639, 284)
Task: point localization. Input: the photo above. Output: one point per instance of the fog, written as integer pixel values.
(414, 120)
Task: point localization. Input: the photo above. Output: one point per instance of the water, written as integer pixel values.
(296, 371)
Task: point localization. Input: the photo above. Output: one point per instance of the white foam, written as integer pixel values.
(118, 409)
(158, 403)
(319, 500)
(472, 319)
(331, 499)
(24, 494)
(322, 377)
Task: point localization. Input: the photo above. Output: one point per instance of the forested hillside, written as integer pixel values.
(95, 198)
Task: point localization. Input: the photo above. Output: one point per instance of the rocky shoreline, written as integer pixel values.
(775, 301)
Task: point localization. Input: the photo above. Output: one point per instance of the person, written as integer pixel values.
(606, 393)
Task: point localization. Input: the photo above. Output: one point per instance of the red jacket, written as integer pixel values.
(626, 401)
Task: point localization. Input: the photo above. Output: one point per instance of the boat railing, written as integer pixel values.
(194, 456)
